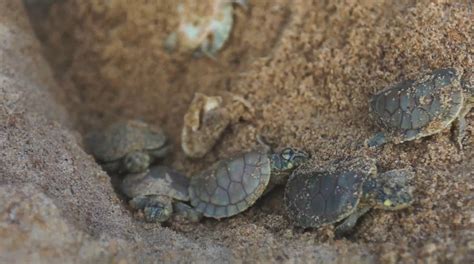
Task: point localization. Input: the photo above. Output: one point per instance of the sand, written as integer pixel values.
(308, 68)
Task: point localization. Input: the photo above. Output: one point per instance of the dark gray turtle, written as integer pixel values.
(160, 193)
(127, 146)
(418, 108)
(343, 192)
(232, 185)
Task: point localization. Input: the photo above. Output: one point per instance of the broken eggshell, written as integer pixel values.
(207, 118)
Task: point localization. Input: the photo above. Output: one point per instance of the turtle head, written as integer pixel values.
(156, 208)
(135, 162)
(390, 190)
(157, 214)
(288, 159)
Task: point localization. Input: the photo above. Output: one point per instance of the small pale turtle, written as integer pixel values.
(232, 185)
(204, 26)
(127, 146)
(418, 108)
(343, 192)
(160, 193)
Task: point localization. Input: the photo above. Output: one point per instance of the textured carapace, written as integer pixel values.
(318, 197)
(158, 180)
(127, 145)
(124, 137)
(417, 108)
(158, 193)
(230, 186)
(344, 191)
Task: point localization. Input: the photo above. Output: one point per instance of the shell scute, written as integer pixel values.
(239, 181)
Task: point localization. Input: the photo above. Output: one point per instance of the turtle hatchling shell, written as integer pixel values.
(316, 197)
(158, 180)
(418, 108)
(124, 137)
(230, 186)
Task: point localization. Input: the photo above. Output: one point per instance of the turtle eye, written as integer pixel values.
(287, 154)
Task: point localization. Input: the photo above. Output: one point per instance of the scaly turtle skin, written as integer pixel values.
(343, 192)
(232, 185)
(418, 108)
(127, 146)
(159, 192)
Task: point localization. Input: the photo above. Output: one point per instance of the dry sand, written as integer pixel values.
(308, 68)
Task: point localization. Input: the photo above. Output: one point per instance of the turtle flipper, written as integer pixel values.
(156, 208)
(459, 131)
(377, 140)
(459, 126)
(185, 212)
(349, 223)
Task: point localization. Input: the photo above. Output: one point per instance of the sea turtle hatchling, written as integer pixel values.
(127, 146)
(417, 108)
(160, 192)
(343, 192)
(232, 185)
